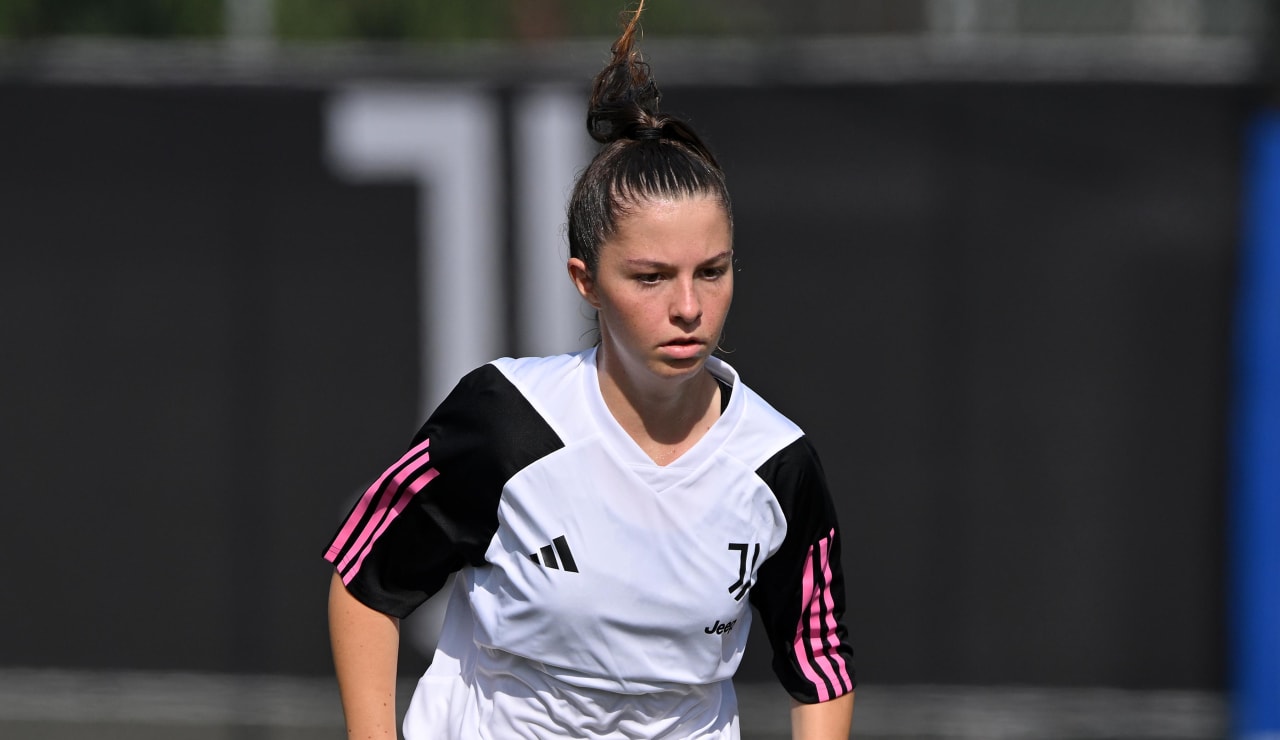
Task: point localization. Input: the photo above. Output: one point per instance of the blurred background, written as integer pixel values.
(994, 258)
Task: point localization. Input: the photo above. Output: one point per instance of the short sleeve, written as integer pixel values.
(434, 510)
(800, 590)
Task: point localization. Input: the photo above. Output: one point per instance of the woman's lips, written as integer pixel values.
(683, 349)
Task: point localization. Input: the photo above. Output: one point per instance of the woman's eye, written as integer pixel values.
(713, 273)
(649, 278)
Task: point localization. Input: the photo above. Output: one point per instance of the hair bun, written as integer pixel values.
(624, 97)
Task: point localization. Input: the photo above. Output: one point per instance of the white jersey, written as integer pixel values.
(599, 595)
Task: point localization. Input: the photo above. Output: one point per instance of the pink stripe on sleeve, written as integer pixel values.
(356, 514)
(417, 485)
(802, 656)
(374, 528)
(831, 646)
(816, 630)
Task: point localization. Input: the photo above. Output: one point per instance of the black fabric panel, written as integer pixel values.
(796, 478)
(483, 433)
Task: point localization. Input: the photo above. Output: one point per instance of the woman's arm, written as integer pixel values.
(828, 720)
(366, 645)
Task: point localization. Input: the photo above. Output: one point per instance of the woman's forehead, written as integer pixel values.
(666, 229)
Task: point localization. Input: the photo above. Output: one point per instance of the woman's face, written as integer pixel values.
(662, 287)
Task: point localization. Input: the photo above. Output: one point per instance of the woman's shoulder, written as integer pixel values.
(537, 370)
(750, 403)
(558, 387)
(516, 375)
(760, 430)
(499, 405)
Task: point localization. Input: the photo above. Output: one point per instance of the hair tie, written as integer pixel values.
(647, 133)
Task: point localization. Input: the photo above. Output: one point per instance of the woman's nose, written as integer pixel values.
(687, 305)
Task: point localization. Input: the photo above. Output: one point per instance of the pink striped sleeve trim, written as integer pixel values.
(833, 653)
(816, 630)
(378, 497)
(417, 485)
(344, 535)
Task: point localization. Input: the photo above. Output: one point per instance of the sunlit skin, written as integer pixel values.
(662, 288)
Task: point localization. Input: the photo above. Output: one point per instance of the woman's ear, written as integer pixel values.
(583, 281)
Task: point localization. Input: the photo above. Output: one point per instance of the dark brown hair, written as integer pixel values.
(645, 154)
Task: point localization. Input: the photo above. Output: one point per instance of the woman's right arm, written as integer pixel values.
(366, 644)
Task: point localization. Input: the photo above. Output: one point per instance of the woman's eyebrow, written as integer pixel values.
(641, 262)
(638, 262)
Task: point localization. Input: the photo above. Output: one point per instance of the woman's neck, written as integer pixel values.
(665, 418)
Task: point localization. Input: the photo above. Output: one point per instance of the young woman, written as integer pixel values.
(614, 514)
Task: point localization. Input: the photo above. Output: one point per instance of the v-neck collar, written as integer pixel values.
(630, 452)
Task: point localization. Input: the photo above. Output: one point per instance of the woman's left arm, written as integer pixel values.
(828, 720)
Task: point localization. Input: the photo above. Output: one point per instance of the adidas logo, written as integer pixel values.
(559, 546)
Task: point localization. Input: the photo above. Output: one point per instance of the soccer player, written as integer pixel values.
(612, 515)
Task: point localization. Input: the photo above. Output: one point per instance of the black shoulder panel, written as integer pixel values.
(477, 439)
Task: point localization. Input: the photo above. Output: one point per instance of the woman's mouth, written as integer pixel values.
(683, 348)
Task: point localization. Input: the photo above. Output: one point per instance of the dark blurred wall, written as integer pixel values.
(209, 344)
(1000, 311)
